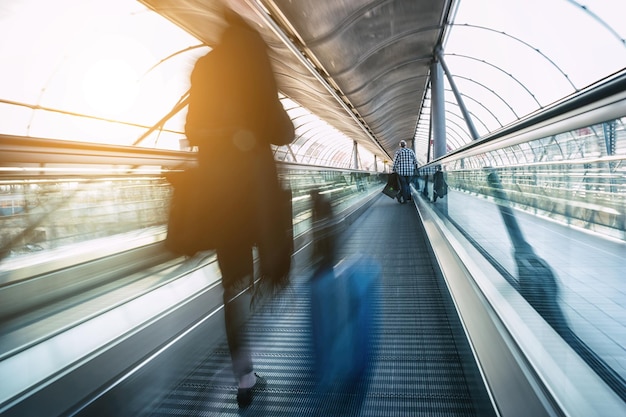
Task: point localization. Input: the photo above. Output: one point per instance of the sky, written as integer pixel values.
(511, 58)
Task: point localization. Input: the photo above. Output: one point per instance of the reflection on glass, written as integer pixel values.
(45, 214)
(550, 215)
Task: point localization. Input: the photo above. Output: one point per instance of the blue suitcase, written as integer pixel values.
(344, 300)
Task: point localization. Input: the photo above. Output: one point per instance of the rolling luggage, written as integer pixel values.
(343, 309)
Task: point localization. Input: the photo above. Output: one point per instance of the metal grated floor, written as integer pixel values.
(416, 370)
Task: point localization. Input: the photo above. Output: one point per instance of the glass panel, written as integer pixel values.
(554, 226)
(509, 59)
(44, 215)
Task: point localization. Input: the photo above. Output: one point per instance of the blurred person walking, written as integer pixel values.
(234, 116)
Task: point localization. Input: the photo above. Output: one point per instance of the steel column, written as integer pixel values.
(459, 100)
(438, 111)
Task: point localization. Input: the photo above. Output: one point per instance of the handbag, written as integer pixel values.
(392, 188)
(190, 226)
(275, 235)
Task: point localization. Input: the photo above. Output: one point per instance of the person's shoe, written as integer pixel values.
(245, 395)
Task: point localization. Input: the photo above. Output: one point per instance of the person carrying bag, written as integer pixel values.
(234, 197)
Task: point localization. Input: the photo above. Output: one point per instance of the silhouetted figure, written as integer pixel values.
(344, 300)
(234, 115)
(440, 188)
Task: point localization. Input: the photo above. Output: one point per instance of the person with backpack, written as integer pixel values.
(404, 164)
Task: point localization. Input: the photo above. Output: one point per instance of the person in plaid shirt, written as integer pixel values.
(404, 165)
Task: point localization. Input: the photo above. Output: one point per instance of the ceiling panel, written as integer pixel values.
(360, 65)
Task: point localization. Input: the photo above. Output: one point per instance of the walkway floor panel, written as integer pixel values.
(416, 370)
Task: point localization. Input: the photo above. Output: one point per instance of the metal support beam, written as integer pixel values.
(610, 136)
(610, 140)
(355, 155)
(291, 152)
(437, 112)
(466, 116)
(262, 11)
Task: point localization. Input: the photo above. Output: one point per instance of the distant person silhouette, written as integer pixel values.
(440, 187)
(404, 164)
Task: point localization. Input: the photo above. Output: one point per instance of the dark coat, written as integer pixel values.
(232, 117)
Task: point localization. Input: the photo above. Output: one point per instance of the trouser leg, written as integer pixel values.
(404, 187)
(237, 269)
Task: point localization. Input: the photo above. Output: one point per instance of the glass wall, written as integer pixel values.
(550, 216)
(59, 214)
(512, 58)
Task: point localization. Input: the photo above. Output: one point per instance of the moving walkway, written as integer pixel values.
(145, 348)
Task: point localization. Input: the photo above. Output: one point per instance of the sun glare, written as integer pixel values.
(110, 86)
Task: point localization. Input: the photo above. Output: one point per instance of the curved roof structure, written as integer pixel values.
(351, 71)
